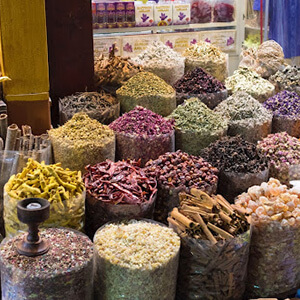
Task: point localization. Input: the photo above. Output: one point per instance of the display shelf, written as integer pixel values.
(155, 29)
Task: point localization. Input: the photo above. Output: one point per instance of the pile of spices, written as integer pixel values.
(246, 117)
(197, 83)
(274, 255)
(64, 272)
(266, 60)
(196, 126)
(287, 79)
(244, 79)
(240, 164)
(162, 61)
(137, 260)
(117, 190)
(179, 172)
(82, 141)
(215, 240)
(283, 153)
(147, 90)
(64, 189)
(100, 106)
(143, 134)
(115, 70)
(206, 56)
(285, 107)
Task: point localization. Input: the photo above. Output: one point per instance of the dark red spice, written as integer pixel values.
(122, 182)
(200, 12)
(198, 81)
(223, 12)
(142, 121)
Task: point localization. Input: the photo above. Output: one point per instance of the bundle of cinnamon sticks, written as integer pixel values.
(207, 217)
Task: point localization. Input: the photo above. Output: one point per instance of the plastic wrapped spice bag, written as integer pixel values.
(162, 61)
(147, 90)
(117, 191)
(244, 79)
(143, 134)
(64, 272)
(197, 83)
(246, 117)
(136, 260)
(285, 107)
(82, 141)
(100, 106)
(240, 165)
(274, 269)
(179, 172)
(201, 11)
(283, 153)
(214, 250)
(196, 126)
(287, 79)
(209, 57)
(224, 10)
(64, 189)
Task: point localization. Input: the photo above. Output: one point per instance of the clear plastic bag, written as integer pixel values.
(224, 11)
(168, 198)
(211, 100)
(251, 131)
(218, 69)
(232, 184)
(284, 123)
(129, 146)
(193, 142)
(98, 213)
(65, 214)
(160, 104)
(274, 263)
(116, 282)
(201, 11)
(285, 173)
(76, 157)
(209, 271)
(22, 281)
(104, 116)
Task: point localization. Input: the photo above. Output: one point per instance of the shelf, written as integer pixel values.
(155, 29)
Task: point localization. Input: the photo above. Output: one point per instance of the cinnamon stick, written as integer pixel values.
(220, 231)
(182, 219)
(208, 234)
(176, 224)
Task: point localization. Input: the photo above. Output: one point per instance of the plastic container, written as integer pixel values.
(232, 184)
(62, 214)
(162, 104)
(118, 281)
(224, 10)
(274, 267)
(211, 100)
(284, 123)
(54, 275)
(209, 271)
(104, 116)
(218, 69)
(129, 146)
(193, 142)
(98, 212)
(250, 130)
(201, 11)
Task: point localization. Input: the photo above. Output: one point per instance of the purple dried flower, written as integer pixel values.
(144, 17)
(285, 104)
(193, 41)
(207, 40)
(142, 121)
(169, 44)
(163, 16)
(128, 47)
(181, 16)
(230, 41)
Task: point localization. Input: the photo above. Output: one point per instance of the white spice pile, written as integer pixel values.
(137, 245)
(162, 61)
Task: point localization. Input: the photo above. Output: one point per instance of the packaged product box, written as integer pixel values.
(111, 14)
(181, 13)
(102, 45)
(129, 14)
(144, 14)
(101, 15)
(134, 45)
(120, 14)
(163, 14)
(179, 41)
